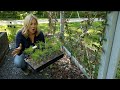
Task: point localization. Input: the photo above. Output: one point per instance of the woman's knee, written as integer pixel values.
(19, 61)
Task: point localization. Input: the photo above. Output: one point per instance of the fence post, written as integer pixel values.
(115, 53)
(107, 45)
(62, 25)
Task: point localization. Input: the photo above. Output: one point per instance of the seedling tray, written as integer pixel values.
(43, 64)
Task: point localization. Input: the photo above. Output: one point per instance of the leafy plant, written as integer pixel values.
(84, 41)
(28, 50)
(43, 51)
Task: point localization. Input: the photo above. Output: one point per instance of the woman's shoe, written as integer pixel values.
(27, 72)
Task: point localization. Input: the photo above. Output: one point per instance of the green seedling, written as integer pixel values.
(44, 51)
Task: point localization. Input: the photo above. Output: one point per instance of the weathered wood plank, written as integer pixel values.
(4, 45)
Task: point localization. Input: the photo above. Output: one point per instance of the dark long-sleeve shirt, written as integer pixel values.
(26, 42)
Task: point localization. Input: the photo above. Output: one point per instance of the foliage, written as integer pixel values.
(11, 15)
(29, 50)
(84, 43)
(11, 31)
(118, 71)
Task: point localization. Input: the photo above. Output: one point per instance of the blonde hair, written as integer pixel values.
(26, 25)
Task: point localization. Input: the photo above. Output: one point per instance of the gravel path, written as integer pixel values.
(62, 69)
(9, 71)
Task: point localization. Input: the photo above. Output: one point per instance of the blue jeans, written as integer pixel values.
(20, 62)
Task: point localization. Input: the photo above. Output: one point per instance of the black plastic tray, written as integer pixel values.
(47, 63)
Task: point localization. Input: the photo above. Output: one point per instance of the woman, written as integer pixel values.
(26, 37)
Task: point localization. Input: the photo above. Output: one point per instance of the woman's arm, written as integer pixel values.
(18, 39)
(18, 49)
(41, 37)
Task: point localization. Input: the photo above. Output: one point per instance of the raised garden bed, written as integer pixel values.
(39, 65)
(4, 45)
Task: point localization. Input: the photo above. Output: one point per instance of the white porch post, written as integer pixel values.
(115, 53)
(108, 47)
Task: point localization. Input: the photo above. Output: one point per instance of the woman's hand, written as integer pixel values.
(17, 50)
